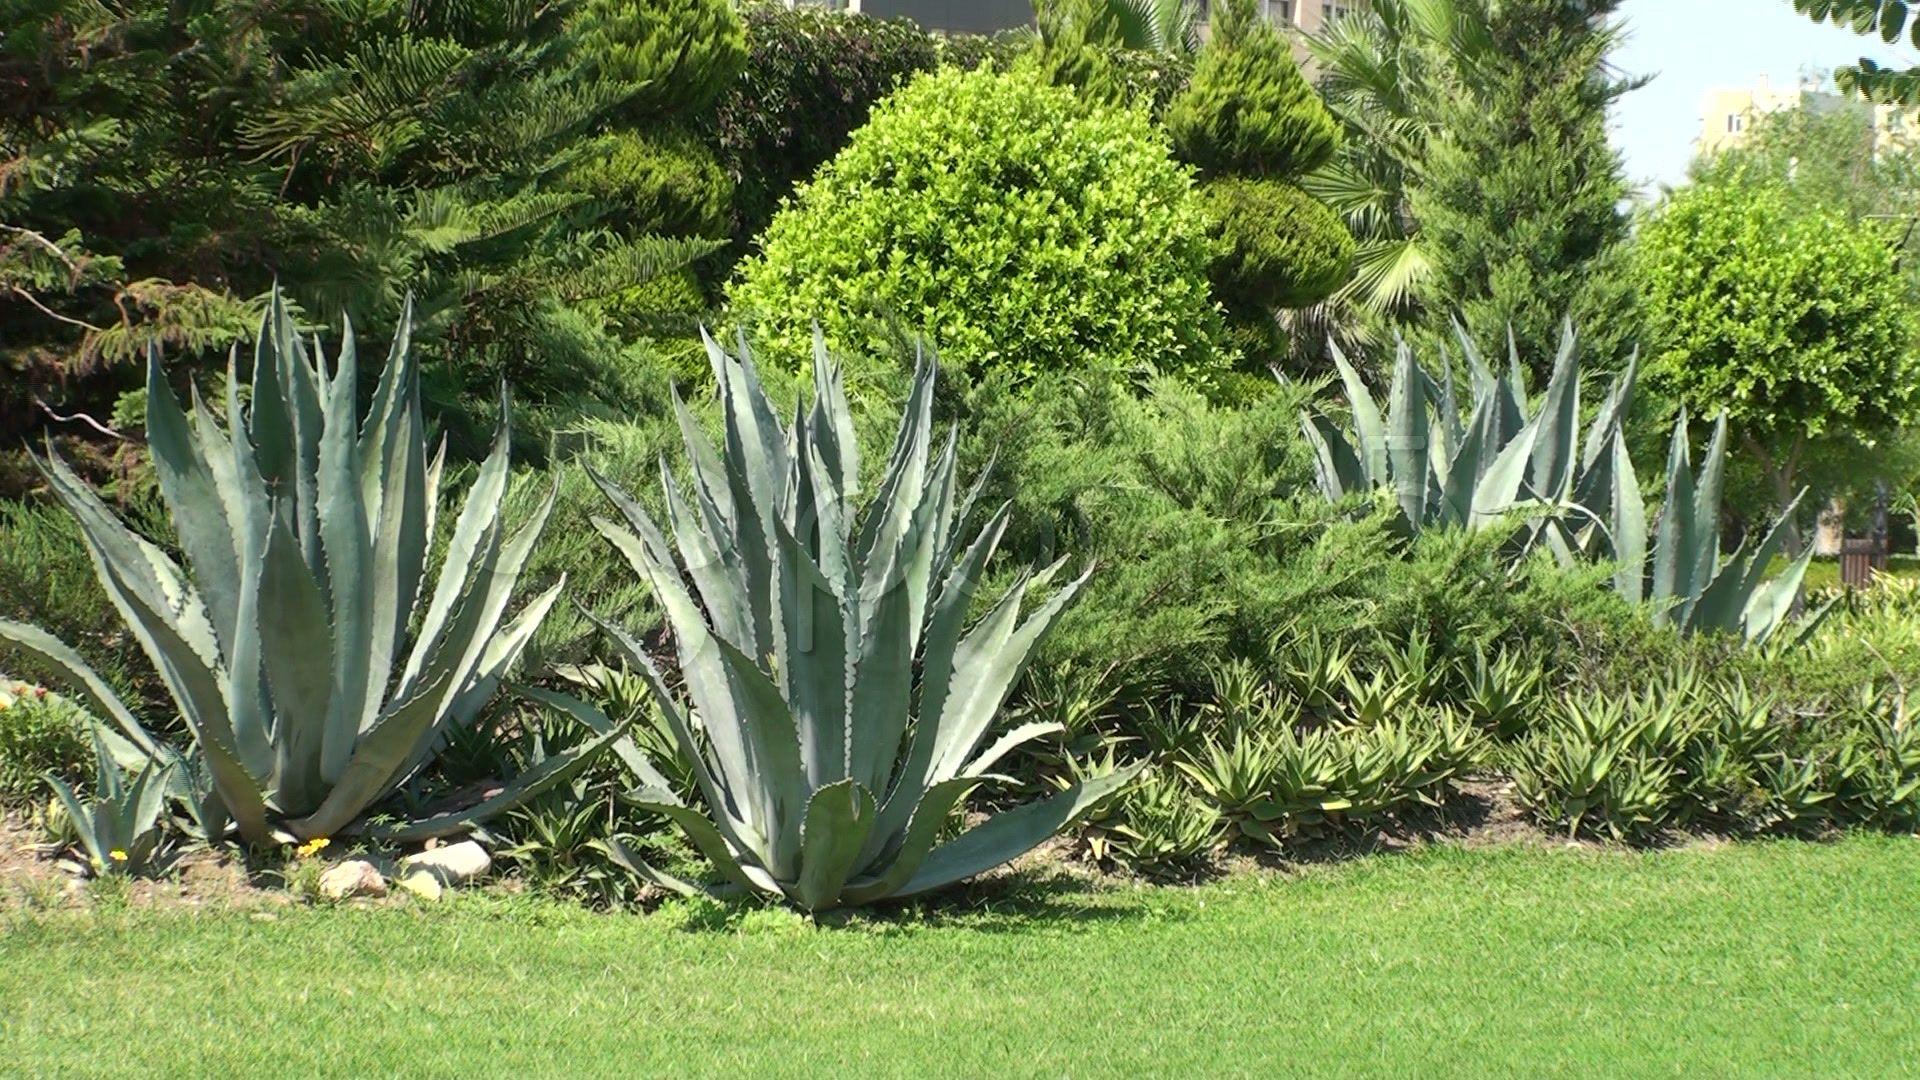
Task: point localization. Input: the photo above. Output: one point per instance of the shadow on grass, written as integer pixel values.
(1021, 901)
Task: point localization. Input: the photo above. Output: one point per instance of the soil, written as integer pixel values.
(1480, 814)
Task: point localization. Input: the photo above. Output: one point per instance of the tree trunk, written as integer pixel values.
(1780, 472)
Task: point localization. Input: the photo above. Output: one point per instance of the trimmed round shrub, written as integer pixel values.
(669, 184)
(1005, 221)
(1248, 109)
(685, 51)
(1282, 247)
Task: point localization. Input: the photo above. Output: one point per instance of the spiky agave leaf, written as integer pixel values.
(305, 529)
(828, 772)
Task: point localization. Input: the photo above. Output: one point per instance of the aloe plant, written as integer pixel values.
(1446, 471)
(1677, 569)
(119, 826)
(826, 778)
(315, 668)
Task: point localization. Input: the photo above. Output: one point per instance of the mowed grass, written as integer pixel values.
(1751, 959)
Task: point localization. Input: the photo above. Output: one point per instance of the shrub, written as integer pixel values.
(663, 183)
(1011, 225)
(684, 51)
(40, 734)
(1284, 248)
(812, 77)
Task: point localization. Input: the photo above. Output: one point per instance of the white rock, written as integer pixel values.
(453, 864)
(422, 884)
(355, 877)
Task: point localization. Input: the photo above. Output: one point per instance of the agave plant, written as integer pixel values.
(1455, 473)
(826, 778)
(1680, 572)
(313, 678)
(119, 827)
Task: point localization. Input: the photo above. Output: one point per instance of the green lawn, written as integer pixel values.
(1758, 959)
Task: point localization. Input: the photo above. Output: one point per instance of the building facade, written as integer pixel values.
(1727, 113)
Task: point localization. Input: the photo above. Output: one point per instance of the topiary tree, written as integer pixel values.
(1282, 247)
(1795, 322)
(1013, 225)
(1253, 126)
(1248, 109)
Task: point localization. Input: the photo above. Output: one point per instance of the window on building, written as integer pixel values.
(1279, 11)
(1736, 123)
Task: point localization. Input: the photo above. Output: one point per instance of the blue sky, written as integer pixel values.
(1691, 45)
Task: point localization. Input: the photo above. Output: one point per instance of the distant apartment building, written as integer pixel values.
(990, 16)
(1727, 113)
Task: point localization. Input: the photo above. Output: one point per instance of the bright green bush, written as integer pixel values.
(1012, 225)
(40, 733)
(1284, 248)
(684, 51)
(1247, 109)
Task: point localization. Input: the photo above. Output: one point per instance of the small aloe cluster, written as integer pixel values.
(830, 775)
(1446, 472)
(314, 663)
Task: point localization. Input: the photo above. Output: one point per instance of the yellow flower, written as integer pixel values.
(312, 847)
(117, 855)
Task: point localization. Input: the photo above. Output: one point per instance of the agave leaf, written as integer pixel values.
(732, 862)
(1773, 602)
(475, 535)
(923, 829)
(1407, 432)
(839, 819)
(296, 643)
(187, 482)
(1499, 487)
(732, 811)
(1008, 743)
(1703, 540)
(1629, 524)
(381, 753)
(1671, 561)
(346, 540)
(1369, 430)
(501, 654)
(1335, 466)
(815, 672)
(78, 674)
(986, 674)
(943, 637)
(597, 721)
(554, 771)
(1557, 425)
(1011, 833)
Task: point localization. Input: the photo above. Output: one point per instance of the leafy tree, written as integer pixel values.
(1795, 322)
(1253, 126)
(1888, 18)
(1012, 224)
(1833, 161)
(1518, 195)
